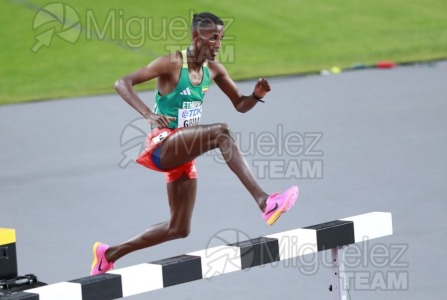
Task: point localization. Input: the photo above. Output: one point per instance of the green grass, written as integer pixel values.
(265, 38)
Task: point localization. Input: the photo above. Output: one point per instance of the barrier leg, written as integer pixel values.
(339, 285)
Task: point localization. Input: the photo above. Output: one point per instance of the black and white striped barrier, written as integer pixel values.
(211, 262)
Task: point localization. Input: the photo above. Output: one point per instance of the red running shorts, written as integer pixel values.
(150, 157)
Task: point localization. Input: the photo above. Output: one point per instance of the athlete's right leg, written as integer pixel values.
(190, 142)
(181, 195)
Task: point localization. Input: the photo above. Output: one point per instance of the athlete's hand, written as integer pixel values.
(262, 88)
(160, 121)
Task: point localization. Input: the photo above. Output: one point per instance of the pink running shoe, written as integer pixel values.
(100, 264)
(279, 203)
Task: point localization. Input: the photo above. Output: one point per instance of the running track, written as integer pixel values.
(382, 147)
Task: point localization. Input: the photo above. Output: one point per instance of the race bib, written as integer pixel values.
(189, 116)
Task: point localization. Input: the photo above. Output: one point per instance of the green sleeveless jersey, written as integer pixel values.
(185, 101)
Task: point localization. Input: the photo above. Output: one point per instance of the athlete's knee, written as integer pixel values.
(179, 232)
(222, 132)
(223, 128)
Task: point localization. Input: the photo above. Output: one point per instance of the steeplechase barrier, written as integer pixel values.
(146, 277)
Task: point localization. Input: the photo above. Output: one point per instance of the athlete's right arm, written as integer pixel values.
(162, 66)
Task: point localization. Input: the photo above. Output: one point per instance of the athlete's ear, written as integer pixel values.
(195, 34)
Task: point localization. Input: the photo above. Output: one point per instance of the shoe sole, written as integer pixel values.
(272, 220)
(95, 258)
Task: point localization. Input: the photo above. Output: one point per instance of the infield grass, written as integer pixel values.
(263, 38)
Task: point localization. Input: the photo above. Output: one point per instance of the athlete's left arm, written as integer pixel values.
(226, 84)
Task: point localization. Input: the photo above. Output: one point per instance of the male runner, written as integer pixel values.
(176, 139)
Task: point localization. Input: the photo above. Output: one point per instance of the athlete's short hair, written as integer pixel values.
(203, 19)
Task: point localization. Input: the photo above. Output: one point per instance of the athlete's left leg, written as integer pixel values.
(190, 142)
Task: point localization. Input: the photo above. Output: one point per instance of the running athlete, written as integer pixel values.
(176, 138)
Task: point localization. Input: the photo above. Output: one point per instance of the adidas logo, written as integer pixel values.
(185, 92)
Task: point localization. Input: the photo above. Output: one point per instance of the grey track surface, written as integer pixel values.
(384, 149)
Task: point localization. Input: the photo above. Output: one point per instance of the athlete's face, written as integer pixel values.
(208, 40)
